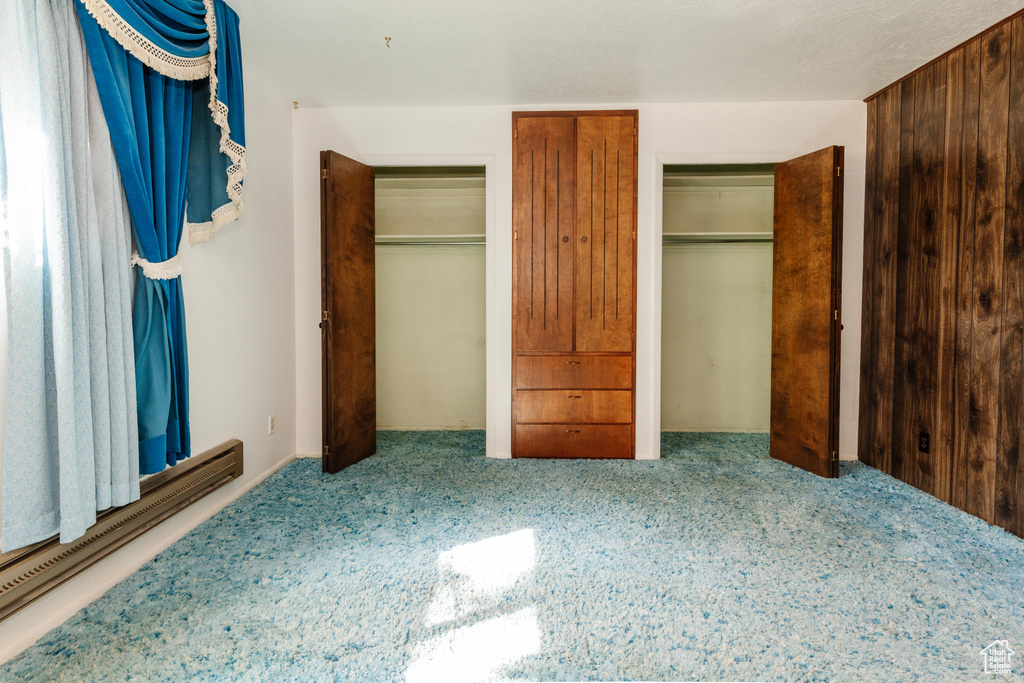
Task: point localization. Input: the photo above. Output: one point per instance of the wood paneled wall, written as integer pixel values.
(942, 349)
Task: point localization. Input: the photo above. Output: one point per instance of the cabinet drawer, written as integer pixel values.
(574, 372)
(573, 405)
(574, 441)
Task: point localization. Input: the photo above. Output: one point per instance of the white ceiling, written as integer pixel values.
(464, 52)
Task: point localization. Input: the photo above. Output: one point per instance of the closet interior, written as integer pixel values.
(430, 297)
(717, 297)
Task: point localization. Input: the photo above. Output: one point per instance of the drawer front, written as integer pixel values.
(574, 441)
(574, 372)
(573, 405)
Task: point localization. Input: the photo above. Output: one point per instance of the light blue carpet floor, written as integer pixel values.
(430, 562)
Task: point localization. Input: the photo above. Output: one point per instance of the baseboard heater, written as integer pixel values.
(28, 573)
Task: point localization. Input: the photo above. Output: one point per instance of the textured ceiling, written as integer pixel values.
(463, 52)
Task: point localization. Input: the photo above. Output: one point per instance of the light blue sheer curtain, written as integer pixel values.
(71, 444)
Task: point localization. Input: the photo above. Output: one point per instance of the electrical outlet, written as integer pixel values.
(271, 424)
(924, 442)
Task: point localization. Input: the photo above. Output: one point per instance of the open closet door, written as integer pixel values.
(348, 331)
(806, 318)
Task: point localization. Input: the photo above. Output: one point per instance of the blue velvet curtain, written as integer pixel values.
(176, 146)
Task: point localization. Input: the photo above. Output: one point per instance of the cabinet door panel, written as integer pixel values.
(543, 221)
(605, 184)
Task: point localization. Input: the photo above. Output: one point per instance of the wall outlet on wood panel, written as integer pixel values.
(924, 441)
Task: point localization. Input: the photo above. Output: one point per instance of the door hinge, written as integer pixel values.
(323, 174)
(839, 170)
(327, 450)
(516, 237)
(515, 132)
(324, 316)
(515, 336)
(835, 456)
(835, 314)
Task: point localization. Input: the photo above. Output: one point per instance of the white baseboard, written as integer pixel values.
(22, 629)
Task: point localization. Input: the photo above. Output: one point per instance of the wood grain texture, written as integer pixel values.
(870, 447)
(576, 440)
(986, 321)
(1011, 391)
(348, 297)
(604, 245)
(543, 223)
(575, 371)
(582, 406)
(922, 321)
(804, 413)
(965, 276)
(878, 322)
(903, 445)
(949, 227)
(580, 369)
(959, 313)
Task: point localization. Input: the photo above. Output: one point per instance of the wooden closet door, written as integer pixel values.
(806, 291)
(605, 204)
(543, 222)
(348, 318)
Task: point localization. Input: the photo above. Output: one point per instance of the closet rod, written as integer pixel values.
(717, 237)
(431, 240)
(416, 243)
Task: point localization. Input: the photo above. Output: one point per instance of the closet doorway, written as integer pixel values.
(403, 297)
(430, 303)
(751, 291)
(716, 338)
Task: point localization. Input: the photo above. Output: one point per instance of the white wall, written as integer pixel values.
(431, 360)
(716, 339)
(716, 312)
(239, 303)
(431, 317)
(669, 133)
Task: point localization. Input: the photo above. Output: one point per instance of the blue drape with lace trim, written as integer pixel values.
(170, 80)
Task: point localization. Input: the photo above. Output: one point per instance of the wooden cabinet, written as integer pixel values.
(574, 284)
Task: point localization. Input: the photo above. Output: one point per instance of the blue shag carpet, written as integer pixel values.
(430, 562)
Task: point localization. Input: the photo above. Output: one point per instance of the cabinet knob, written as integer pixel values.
(565, 238)
(572, 362)
(572, 431)
(571, 396)
(583, 239)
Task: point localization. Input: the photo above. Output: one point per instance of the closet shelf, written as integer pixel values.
(427, 240)
(715, 237)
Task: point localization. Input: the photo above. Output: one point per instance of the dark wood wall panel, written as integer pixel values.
(942, 348)
(879, 293)
(962, 406)
(990, 203)
(1011, 393)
